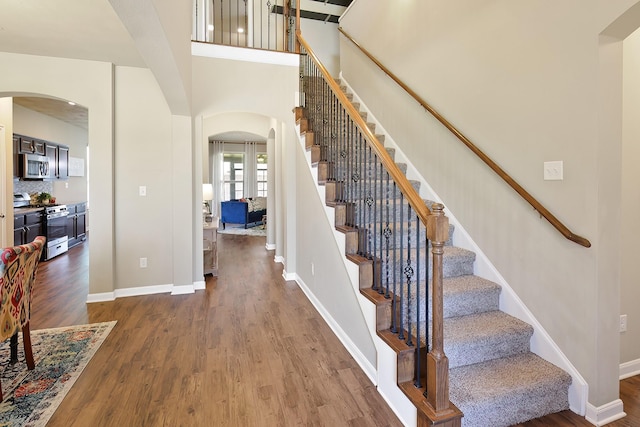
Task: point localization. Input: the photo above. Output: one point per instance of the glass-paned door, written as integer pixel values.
(233, 175)
(261, 174)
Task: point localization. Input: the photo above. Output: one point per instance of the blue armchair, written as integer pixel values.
(243, 211)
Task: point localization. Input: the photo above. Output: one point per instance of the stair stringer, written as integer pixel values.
(384, 374)
(541, 342)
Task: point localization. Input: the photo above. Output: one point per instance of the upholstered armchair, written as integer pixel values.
(18, 266)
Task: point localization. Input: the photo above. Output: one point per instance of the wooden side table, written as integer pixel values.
(210, 247)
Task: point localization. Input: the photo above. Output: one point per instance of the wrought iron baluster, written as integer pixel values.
(408, 272)
(401, 261)
(417, 378)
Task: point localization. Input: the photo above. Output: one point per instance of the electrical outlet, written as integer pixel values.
(553, 171)
(623, 323)
(142, 190)
(143, 263)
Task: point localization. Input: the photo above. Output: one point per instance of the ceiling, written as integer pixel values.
(89, 30)
(58, 109)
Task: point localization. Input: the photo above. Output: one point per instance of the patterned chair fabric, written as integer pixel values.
(18, 269)
(18, 266)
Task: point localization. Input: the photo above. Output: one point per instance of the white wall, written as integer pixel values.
(6, 120)
(31, 123)
(89, 83)
(323, 39)
(143, 157)
(523, 81)
(134, 140)
(328, 281)
(228, 89)
(630, 272)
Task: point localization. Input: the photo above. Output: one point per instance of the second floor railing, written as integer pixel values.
(261, 24)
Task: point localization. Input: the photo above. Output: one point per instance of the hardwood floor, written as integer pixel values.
(250, 350)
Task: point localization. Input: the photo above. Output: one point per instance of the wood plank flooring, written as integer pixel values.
(250, 350)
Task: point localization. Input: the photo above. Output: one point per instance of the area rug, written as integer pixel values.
(61, 354)
(239, 229)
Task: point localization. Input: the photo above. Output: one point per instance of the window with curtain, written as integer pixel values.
(261, 175)
(233, 175)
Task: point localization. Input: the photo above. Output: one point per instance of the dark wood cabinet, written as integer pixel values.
(30, 145)
(77, 223)
(58, 155)
(62, 162)
(26, 227)
(16, 156)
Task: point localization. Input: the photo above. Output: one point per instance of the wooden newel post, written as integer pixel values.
(437, 392)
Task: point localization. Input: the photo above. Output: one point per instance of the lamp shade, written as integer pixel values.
(207, 191)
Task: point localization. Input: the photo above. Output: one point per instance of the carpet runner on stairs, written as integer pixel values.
(495, 380)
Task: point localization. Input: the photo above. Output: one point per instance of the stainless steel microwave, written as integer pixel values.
(35, 167)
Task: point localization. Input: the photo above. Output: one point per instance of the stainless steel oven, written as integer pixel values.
(56, 230)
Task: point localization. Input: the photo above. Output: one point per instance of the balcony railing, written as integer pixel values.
(261, 24)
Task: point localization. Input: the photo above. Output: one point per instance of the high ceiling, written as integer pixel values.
(88, 30)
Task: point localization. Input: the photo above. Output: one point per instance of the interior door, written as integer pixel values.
(3, 190)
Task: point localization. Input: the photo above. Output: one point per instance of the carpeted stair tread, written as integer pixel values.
(484, 336)
(507, 391)
(469, 294)
(456, 262)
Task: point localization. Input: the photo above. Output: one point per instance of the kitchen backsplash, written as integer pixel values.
(33, 187)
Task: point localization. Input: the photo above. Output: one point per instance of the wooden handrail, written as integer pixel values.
(401, 180)
(486, 159)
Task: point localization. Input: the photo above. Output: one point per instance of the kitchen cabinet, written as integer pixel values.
(30, 145)
(210, 247)
(57, 154)
(62, 164)
(27, 226)
(16, 156)
(77, 223)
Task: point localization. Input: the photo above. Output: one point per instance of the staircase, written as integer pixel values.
(495, 379)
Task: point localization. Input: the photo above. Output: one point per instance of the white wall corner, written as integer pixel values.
(360, 359)
(629, 369)
(200, 285)
(288, 276)
(605, 414)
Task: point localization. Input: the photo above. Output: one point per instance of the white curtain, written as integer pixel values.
(217, 176)
(250, 186)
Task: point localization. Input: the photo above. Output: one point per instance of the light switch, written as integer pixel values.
(553, 171)
(143, 190)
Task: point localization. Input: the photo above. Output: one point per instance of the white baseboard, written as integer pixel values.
(360, 359)
(183, 290)
(199, 286)
(145, 290)
(270, 246)
(629, 369)
(288, 276)
(278, 258)
(605, 414)
(101, 297)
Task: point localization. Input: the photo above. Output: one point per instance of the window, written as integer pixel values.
(261, 174)
(233, 175)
